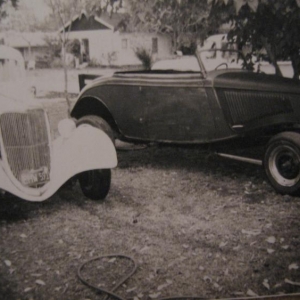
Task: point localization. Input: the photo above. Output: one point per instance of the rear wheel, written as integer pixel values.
(95, 184)
(282, 162)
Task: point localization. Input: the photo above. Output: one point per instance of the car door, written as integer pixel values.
(178, 110)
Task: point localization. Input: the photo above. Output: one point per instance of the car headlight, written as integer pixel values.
(66, 127)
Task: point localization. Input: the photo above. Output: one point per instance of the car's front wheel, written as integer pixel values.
(95, 184)
(282, 162)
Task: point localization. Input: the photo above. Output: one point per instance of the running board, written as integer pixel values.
(241, 158)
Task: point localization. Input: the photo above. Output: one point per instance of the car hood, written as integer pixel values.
(247, 80)
(16, 97)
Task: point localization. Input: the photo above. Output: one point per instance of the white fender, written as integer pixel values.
(87, 148)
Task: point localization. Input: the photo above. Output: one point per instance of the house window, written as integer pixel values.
(154, 45)
(124, 44)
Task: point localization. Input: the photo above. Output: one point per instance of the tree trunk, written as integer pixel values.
(65, 67)
(295, 58)
(272, 57)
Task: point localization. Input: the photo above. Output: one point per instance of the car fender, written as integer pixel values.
(87, 148)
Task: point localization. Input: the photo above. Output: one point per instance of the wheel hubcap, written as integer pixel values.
(284, 163)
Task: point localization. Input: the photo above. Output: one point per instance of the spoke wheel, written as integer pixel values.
(282, 162)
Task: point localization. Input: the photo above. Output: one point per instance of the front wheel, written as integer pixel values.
(282, 162)
(95, 184)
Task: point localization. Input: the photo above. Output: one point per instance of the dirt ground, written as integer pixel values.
(195, 224)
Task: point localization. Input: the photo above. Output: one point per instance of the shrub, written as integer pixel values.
(145, 57)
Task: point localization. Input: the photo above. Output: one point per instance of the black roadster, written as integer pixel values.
(206, 99)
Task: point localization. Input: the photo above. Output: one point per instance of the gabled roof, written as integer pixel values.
(17, 39)
(82, 22)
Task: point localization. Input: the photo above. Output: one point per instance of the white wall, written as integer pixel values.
(108, 48)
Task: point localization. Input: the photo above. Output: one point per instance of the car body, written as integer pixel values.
(32, 165)
(215, 100)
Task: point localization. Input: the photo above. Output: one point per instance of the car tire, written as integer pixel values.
(282, 162)
(95, 184)
(97, 122)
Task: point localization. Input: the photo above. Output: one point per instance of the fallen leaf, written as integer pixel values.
(293, 266)
(154, 296)
(207, 279)
(226, 272)
(251, 293)
(270, 251)
(162, 286)
(131, 290)
(266, 284)
(291, 282)
(22, 235)
(40, 282)
(281, 240)
(201, 268)
(251, 232)
(28, 289)
(185, 246)
(271, 240)
(112, 260)
(7, 262)
(222, 244)
(285, 247)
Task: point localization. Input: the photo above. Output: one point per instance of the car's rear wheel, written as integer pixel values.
(95, 184)
(282, 162)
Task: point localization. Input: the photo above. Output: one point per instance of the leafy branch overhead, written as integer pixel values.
(270, 26)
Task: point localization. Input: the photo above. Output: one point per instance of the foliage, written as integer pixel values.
(73, 47)
(269, 25)
(174, 17)
(145, 57)
(3, 7)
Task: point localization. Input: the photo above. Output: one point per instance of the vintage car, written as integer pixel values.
(210, 98)
(32, 165)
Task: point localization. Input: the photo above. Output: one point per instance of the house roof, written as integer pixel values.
(84, 22)
(23, 39)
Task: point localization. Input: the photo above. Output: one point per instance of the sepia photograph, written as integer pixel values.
(149, 149)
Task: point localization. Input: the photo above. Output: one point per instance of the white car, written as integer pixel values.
(32, 166)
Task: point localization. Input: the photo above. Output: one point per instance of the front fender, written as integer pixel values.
(87, 148)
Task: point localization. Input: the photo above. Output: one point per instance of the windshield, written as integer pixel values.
(10, 70)
(179, 63)
(217, 59)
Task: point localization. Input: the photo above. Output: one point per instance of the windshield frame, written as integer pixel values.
(245, 65)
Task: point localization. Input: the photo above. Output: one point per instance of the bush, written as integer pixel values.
(145, 57)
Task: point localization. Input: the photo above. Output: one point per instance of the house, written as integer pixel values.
(101, 42)
(32, 45)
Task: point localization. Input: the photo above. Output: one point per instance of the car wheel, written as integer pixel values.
(95, 184)
(97, 122)
(282, 162)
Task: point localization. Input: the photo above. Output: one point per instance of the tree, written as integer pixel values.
(272, 25)
(5, 5)
(183, 20)
(63, 11)
(18, 21)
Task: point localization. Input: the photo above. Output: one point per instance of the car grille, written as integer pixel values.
(26, 142)
(245, 106)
